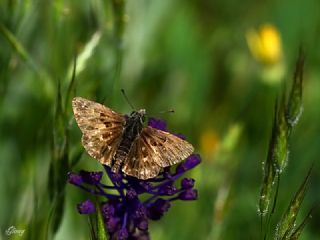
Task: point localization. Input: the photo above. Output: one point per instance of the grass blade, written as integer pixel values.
(298, 231)
(280, 149)
(84, 56)
(294, 106)
(269, 174)
(286, 226)
(101, 231)
(17, 46)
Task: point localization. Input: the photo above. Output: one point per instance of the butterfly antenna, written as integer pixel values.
(162, 112)
(127, 99)
(167, 111)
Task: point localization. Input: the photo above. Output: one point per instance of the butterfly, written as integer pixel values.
(122, 142)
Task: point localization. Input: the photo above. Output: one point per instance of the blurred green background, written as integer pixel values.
(218, 64)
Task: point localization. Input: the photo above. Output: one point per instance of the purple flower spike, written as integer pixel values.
(113, 224)
(146, 186)
(187, 183)
(192, 161)
(131, 194)
(74, 178)
(116, 178)
(86, 207)
(143, 225)
(168, 189)
(179, 135)
(91, 177)
(130, 203)
(158, 124)
(108, 210)
(189, 194)
(139, 211)
(122, 234)
(158, 208)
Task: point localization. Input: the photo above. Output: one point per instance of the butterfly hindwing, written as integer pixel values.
(102, 128)
(141, 162)
(153, 150)
(166, 148)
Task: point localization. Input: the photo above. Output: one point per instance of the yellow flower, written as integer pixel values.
(209, 142)
(265, 44)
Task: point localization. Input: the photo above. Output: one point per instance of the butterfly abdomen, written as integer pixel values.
(132, 130)
(121, 154)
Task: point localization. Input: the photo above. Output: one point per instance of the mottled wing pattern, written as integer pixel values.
(140, 162)
(166, 148)
(153, 150)
(102, 128)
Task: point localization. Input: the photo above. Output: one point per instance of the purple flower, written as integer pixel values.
(167, 189)
(112, 224)
(158, 124)
(187, 183)
(162, 125)
(192, 161)
(74, 178)
(108, 210)
(143, 225)
(122, 234)
(86, 207)
(91, 177)
(131, 194)
(130, 203)
(158, 208)
(179, 135)
(189, 194)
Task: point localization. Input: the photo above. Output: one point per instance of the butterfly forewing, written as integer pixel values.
(102, 128)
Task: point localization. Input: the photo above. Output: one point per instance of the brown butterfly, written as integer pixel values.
(121, 141)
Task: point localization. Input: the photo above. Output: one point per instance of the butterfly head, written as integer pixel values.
(138, 115)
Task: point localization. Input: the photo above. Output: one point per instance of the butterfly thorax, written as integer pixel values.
(132, 129)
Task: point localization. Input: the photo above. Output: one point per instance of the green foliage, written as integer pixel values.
(167, 54)
(286, 227)
(286, 116)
